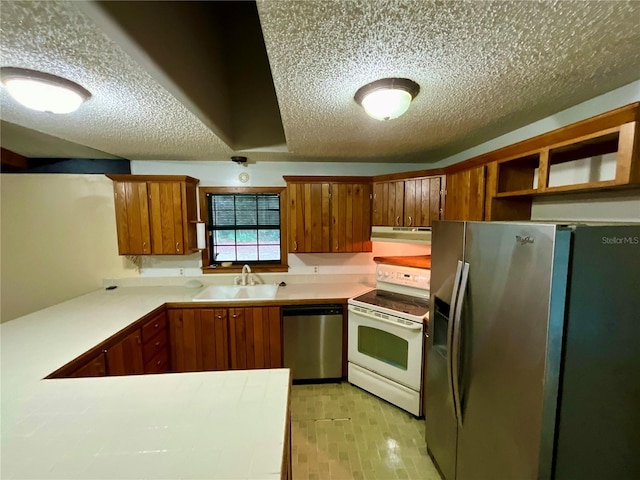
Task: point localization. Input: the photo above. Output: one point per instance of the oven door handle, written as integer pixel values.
(416, 327)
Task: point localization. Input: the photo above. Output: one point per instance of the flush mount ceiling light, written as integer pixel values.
(387, 98)
(42, 91)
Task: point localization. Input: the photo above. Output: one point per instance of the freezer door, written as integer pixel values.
(503, 350)
(447, 249)
(599, 419)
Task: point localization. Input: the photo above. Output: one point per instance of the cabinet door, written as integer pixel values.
(125, 357)
(465, 195)
(199, 339)
(96, 367)
(255, 337)
(388, 203)
(350, 217)
(309, 217)
(165, 210)
(421, 201)
(132, 218)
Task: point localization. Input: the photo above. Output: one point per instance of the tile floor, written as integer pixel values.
(340, 432)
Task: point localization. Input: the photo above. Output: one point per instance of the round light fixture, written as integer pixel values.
(387, 98)
(42, 91)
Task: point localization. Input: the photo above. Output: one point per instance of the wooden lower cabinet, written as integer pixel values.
(187, 340)
(95, 367)
(199, 339)
(125, 357)
(255, 337)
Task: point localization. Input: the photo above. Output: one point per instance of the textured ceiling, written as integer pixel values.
(485, 68)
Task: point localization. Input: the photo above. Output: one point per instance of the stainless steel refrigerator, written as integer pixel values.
(533, 364)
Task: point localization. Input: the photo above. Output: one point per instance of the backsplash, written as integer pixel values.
(299, 264)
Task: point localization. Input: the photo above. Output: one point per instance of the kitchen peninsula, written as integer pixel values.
(225, 424)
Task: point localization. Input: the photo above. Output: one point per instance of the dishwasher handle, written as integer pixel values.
(306, 310)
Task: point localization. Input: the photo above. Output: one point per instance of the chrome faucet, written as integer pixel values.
(246, 274)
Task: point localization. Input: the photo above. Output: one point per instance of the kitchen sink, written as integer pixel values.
(219, 293)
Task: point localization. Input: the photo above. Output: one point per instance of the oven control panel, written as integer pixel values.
(406, 276)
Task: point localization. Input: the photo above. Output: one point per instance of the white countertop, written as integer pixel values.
(190, 425)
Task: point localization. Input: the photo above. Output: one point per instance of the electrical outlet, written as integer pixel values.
(182, 272)
(316, 269)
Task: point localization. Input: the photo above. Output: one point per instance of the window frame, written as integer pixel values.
(283, 266)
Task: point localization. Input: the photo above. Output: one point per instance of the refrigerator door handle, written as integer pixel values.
(454, 296)
(455, 364)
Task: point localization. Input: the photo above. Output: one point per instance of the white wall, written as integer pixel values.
(58, 239)
(591, 207)
(224, 173)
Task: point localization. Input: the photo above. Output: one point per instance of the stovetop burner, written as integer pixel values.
(395, 301)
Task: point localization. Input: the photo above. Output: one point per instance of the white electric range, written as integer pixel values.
(385, 349)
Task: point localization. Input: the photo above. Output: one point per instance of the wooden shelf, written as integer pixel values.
(601, 160)
(518, 193)
(418, 261)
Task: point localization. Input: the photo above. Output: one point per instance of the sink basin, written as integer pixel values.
(218, 293)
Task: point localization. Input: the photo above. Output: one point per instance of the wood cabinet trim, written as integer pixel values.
(152, 178)
(325, 179)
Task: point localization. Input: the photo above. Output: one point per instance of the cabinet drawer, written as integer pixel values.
(153, 326)
(151, 347)
(159, 363)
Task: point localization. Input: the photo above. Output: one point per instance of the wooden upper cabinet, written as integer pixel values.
(388, 203)
(255, 337)
(465, 195)
(422, 201)
(329, 216)
(132, 217)
(125, 357)
(350, 217)
(309, 217)
(155, 214)
(413, 202)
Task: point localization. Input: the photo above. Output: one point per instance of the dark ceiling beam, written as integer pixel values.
(210, 55)
(12, 161)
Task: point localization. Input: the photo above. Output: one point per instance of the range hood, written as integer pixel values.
(401, 234)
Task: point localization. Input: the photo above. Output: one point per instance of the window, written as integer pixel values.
(244, 225)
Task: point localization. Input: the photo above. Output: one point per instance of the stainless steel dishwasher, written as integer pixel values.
(312, 337)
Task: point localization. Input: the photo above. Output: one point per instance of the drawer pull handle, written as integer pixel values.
(159, 362)
(156, 325)
(157, 343)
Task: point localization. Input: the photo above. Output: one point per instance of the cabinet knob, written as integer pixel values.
(410, 221)
(177, 246)
(156, 325)
(295, 246)
(398, 220)
(157, 343)
(159, 362)
(219, 316)
(234, 315)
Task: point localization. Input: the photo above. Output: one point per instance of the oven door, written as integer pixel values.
(389, 346)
